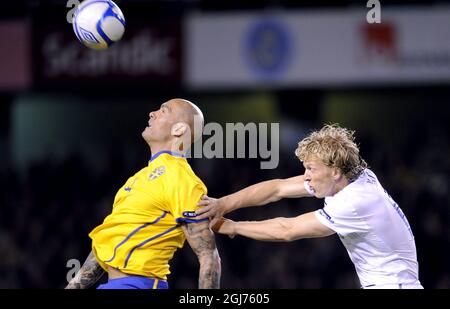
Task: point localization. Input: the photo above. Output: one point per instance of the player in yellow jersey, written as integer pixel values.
(154, 212)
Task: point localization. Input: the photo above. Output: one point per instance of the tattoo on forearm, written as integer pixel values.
(202, 242)
(89, 274)
(209, 275)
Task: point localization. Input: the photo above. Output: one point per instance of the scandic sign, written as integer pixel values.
(149, 53)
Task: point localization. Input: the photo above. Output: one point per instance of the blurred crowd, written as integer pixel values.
(48, 211)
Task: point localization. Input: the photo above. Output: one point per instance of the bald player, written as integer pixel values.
(154, 212)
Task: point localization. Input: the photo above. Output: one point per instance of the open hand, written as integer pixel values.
(211, 208)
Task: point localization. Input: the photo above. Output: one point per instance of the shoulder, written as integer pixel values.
(366, 182)
(181, 172)
(362, 194)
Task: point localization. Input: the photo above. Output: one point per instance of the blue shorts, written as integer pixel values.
(134, 282)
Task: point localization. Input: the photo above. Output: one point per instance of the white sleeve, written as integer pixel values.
(342, 218)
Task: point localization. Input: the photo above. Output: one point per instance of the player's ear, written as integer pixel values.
(337, 173)
(179, 128)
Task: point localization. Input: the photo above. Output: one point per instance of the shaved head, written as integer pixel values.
(191, 114)
(175, 125)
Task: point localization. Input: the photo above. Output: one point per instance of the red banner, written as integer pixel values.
(15, 69)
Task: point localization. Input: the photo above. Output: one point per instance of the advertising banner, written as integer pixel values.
(149, 53)
(317, 48)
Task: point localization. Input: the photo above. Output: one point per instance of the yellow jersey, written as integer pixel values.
(143, 231)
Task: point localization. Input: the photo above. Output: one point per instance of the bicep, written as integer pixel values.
(200, 238)
(307, 226)
(292, 187)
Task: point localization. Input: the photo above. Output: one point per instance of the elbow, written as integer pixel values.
(278, 194)
(210, 259)
(287, 236)
(287, 231)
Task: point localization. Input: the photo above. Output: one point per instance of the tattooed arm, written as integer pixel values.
(89, 273)
(201, 239)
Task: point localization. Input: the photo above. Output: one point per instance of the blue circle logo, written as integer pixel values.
(268, 48)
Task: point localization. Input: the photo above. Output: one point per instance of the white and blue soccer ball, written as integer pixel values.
(98, 23)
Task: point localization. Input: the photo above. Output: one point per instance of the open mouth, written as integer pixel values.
(311, 188)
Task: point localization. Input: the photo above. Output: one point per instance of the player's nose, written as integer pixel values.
(307, 177)
(151, 115)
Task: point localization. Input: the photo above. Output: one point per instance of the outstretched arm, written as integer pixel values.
(259, 194)
(201, 239)
(278, 229)
(88, 275)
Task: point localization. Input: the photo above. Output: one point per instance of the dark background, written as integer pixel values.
(68, 143)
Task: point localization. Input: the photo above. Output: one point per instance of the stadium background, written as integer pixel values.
(70, 124)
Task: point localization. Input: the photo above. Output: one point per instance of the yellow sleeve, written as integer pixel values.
(185, 195)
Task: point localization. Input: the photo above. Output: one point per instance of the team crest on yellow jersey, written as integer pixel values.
(157, 172)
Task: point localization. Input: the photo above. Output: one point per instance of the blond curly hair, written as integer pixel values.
(335, 147)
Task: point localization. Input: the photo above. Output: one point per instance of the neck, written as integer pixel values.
(341, 184)
(158, 147)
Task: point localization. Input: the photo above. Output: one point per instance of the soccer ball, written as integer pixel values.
(98, 23)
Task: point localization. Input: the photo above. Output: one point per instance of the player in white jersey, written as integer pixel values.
(370, 224)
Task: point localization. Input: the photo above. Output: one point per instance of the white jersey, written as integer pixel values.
(374, 231)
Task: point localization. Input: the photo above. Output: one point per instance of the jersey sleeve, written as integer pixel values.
(344, 218)
(184, 198)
